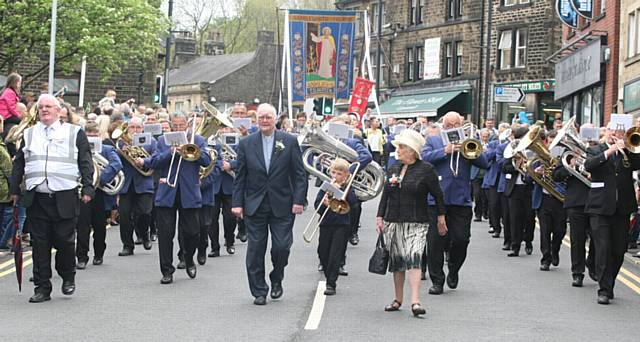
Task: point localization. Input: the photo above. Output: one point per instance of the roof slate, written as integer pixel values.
(209, 68)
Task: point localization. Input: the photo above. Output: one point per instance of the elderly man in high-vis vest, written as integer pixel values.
(56, 165)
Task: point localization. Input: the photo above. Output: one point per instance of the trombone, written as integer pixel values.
(337, 205)
(189, 152)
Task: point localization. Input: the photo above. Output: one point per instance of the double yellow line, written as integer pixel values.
(8, 267)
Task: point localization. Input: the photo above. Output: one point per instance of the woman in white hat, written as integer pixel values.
(403, 218)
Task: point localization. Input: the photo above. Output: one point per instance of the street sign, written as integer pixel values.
(504, 94)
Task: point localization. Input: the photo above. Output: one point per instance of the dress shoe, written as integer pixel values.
(514, 254)
(320, 268)
(138, 241)
(506, 247)
(435, 289)
(126, 251)
(202, 259)
(528, 248)
(147, 245)
(330, 291)
(191, 271)
(260, 300)
(577, 280)
(81, 265)
(342, 271)
(423, 275)
(242, 238)
(231, 250)
(491, 230)
(417, 309)
(544, 267)
(485, 216)
(154, 237)
(354, 239)
(68, 287)
(166, 279)
(555, 259)
(477, 219)
(603, 299)
(214, 254)
(181, 265)
(97, 261)
(39, 297)
(276, 290)
(452, 280)
(31, 279)
(495, 235)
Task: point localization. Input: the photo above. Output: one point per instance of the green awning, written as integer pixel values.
(417, 105)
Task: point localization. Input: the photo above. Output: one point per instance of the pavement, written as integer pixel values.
(498, 299)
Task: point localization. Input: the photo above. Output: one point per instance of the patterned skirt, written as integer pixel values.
(406, 242)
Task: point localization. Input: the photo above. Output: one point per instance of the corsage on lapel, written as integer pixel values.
(279, 146)
(395, 180)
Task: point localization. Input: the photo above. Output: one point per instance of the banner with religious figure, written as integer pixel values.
(321, 54)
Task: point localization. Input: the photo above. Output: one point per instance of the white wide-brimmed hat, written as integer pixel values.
(411, 139)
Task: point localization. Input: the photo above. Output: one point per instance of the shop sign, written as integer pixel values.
(632, 96)
(578, 70)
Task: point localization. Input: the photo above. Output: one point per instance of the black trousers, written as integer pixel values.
(580, 230)
(553, 227)
(354, 217)
(520, 214)
(258, 227)
(48, 230)
(505, 217)
(457, 239)
(223, 204)
(610, 235)
(206, 221)
(242, 229)
(480, 199)
(189, 231)
(92, 216)
(494, 207)
(332, 244)
(135, 215)
(377, 157)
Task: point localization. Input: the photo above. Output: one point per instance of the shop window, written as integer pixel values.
(597, 107)
(586, 107)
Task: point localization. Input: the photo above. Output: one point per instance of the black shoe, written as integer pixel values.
(320, 268)
(31, 279)
(491, 230)
(544, 267)
(435, 289)
(231, 250)
(276, 290)
(97, 261)
(214, 254)
(452, 280)
(394, 306)
(138, 241)
(181, 265)
(330, 291)
(495, 235)
(68, 287)
(342, 271)
(423, 276)
(477, 219)
(147, 245)
(166, 279)
(191, 271)
(202, 259)
(555, 259)
(39, 297)
(81, 265)
(154, 237)
(417, 309)
(486, 217)
(126, 252)
(260, 300)
(514, 254)
(528, 248)
(603, 299)
(577, 280)
(506, 247)
(354, 240)
(243, 238)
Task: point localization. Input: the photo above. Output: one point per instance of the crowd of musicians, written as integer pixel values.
(61, 187)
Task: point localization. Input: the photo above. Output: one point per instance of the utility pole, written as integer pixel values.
(52, 46)
(167, 57)
(379, 52)
(487, 63)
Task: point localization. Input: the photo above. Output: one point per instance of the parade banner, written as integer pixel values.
(360, 96)
(566, 13)
(321, 54)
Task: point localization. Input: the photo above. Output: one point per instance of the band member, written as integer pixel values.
(456, 185)
(136, 196)
(480, 199)
(53, 157)
(610, 202)
(183, 199)
(269, 190)
(490, 185)
(93, 215)
(207, 210)
(504, 200)
(223, 190)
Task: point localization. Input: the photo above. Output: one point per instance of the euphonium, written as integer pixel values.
(206, 171)
(509, 153)
(632, 140)
(569, 138)
(210, 124)
(16, 132)
(115, 185)
(132, 153)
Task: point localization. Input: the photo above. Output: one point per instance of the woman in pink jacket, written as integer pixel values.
(9, 98)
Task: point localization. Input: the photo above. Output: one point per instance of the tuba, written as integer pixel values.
(115, 185)
(569, 138)
(322, 149)
(132, 152)
(210, 124)
(532, 142)
(16, 132)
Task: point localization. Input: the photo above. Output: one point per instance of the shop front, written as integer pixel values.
(631, 99)
(538, 103)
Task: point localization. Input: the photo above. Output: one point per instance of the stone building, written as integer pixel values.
(524, 33)
(629, 62)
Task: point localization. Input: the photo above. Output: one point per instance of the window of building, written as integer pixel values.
(603, 6)
(512, 48)
(514, 2)
(454, 9)
(374, 66)
(448, 60)
(179, 105)
(410, 65)
(458, 58)
(633, 39)
(375, 14)
(419, 62)
(586, 107)
(415, 8)
(504, 48)
(521, 48)
(460, 8)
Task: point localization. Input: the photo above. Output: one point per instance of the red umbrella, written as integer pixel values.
(17, 246)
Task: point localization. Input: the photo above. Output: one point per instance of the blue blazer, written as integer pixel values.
(284, 184)
(364, 155)
(457, 190)
(188, 178)
(390, 150)
(500, 160)
(494, 148)
(115, 165)
(142, 184)
(206, 189)
(222, 182)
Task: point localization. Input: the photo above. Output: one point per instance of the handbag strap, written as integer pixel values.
(380, 242)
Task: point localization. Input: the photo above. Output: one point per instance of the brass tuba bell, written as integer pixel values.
(632, 139)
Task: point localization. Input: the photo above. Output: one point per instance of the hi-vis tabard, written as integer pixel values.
(53, 159)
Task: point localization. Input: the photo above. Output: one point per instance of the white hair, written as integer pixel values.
(504, 125)
(49, 97)
(268, 108)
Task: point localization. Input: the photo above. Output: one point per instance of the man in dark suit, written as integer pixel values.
(269, 189)
(611, 200)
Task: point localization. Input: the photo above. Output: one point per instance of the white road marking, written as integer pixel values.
(318, 307)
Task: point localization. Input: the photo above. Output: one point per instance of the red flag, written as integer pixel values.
(360, 96)
(17, 246)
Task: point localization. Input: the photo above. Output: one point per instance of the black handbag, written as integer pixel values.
(380, 258)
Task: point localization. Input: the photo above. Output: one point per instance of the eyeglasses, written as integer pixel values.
(265, 118)
(239, 104)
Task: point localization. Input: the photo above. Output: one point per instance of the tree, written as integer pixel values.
(111, 33)
(196, 16)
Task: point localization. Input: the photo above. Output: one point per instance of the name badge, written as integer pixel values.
(596, 185)
(508, 176)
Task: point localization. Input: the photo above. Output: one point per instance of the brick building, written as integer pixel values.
(586, 67)
(523, 34)
(629, 74)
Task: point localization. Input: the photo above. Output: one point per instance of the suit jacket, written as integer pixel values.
(142, 184)
(511, 177)
(457, 190)
(284, 184)
(364, 156)
(577, 192)
(611, 183)
(109, 172)
(188, 177)
(493, 149)
(222, 181)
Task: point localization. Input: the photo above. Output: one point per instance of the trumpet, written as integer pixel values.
(470, 148)
(337, 205)
(189, 152)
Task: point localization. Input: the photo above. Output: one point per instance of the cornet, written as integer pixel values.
(189, 152)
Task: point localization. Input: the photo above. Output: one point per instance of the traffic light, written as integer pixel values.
(157, 95)
(317, 106)
(323, 105)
